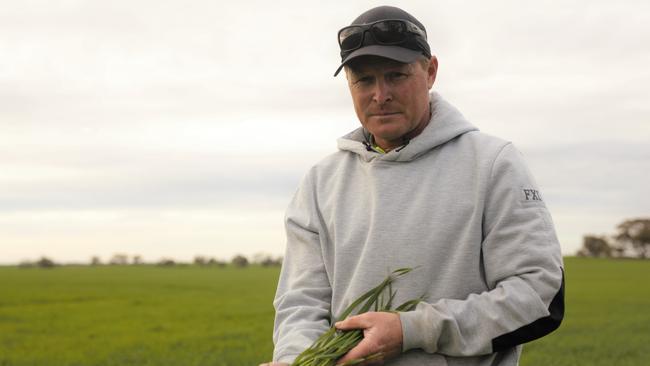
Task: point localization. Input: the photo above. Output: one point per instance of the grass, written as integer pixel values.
(141, 315)
(146, 315)
(607, 318)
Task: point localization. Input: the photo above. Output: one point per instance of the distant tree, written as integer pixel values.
(271, 262)
(45, 263)
(95, 261)
(239, 261)
(119, 259)
(166, 262)
(200, 260)
(634, 236)
(266, 260)
(137, 260)
(216, 262)
(26, 264)
(595, 246)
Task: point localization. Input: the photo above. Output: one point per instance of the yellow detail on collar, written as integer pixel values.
(378, 149)
(375, 146)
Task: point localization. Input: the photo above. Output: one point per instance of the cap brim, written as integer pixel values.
(399, 54)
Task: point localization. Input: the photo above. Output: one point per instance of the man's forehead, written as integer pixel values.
(367, 63)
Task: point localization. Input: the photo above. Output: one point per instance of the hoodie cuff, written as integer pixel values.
(419, 330)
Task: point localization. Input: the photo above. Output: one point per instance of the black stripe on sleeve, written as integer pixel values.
(536, 329)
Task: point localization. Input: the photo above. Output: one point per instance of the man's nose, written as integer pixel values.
(382, 93)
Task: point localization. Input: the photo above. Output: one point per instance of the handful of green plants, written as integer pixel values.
(333, 344)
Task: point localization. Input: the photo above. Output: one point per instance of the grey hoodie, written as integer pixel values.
(456, 203)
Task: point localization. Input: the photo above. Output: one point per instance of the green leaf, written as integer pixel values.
(334, 343)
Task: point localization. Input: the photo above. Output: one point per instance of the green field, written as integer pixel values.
(146, 315)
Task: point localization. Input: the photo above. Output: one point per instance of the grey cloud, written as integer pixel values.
(161, 180)
(600, 176)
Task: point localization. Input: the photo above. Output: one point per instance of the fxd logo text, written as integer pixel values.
(532, 195)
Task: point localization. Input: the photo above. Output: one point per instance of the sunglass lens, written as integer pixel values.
(389, 32)
(350, 38)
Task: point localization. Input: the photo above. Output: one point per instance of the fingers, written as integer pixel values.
(382, 333)
(360, 321)
(362, 349)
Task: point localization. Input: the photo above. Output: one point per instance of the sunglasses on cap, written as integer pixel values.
(385, 32)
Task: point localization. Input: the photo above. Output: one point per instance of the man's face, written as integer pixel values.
(391, 99)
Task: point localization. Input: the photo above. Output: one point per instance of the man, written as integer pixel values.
(417, 185)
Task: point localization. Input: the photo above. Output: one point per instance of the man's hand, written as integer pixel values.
(382, 332)
(274, 364)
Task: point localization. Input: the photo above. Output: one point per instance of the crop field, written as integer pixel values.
(188, 315)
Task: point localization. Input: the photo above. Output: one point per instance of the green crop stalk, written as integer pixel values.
(334, 343)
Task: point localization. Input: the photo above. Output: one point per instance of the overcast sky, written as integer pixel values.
(176, 128)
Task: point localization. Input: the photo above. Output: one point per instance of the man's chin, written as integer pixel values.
(387, 127)
(389, 136)
(388, 124)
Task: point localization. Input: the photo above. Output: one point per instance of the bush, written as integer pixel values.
(595, 246)
(270, 262)
(215, 262)
(119, 259)
(45, 263)
(166, 262)
(266, 260)
(26, 264)
(239, 261)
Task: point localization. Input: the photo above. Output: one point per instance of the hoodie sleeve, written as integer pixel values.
(523, 271)
(302, 300)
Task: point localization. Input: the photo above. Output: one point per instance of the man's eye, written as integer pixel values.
(397, 76)
(364, 80)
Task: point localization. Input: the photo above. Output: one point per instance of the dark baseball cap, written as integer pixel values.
(406, 52)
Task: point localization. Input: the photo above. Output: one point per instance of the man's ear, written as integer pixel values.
(432, 71)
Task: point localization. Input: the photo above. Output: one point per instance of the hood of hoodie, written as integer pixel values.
(446, 124)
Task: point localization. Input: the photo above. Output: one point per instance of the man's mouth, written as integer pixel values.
(384, 114)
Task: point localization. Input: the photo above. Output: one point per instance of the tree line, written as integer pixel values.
(631, 240)
(120, 259)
